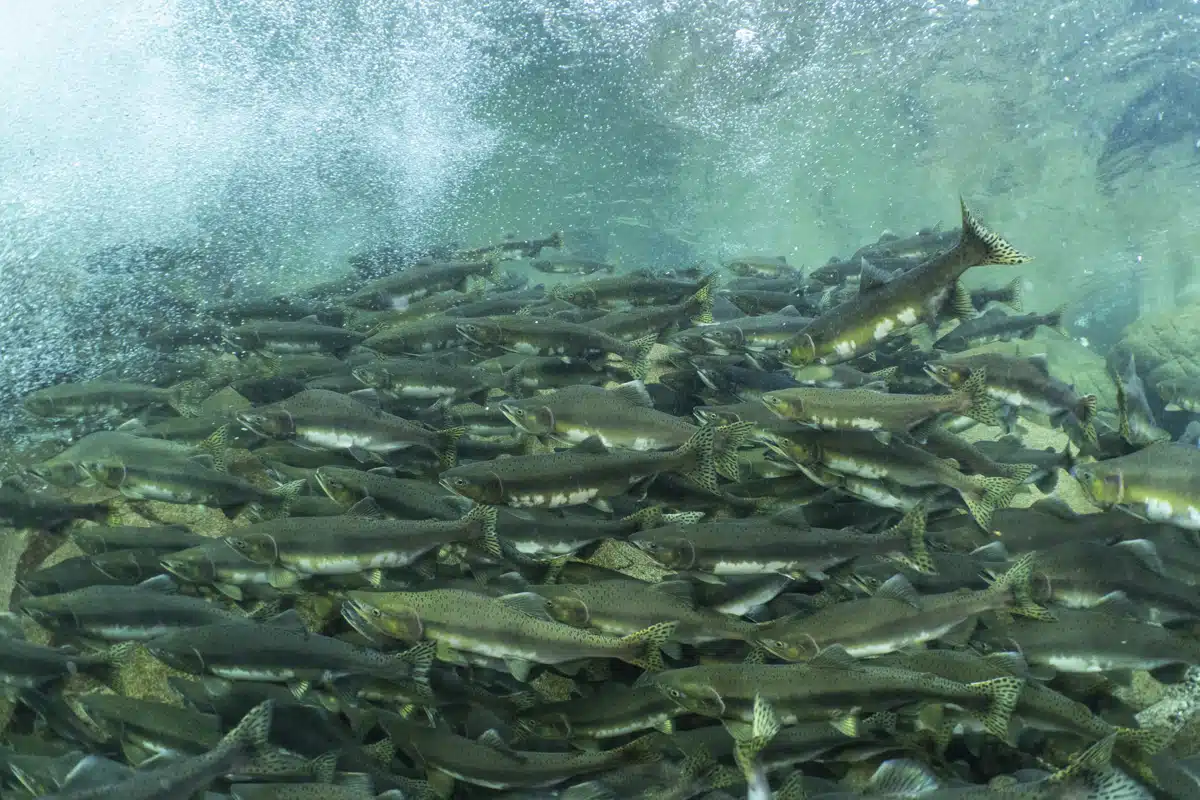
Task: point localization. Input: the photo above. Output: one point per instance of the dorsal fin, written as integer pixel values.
(1146, 552)
(871, 277)
(993, 551)
(1056, 507)
(681, 590)
(834, 657)
(793, 516)
(366, 508)
(288, 619)
(789, 311)
(1041, 362)
(528, 603)
(311, 319)
(902, 777)
(897, 587)
(592, 444)
(634, 393)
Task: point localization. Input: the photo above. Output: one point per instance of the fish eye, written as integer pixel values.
(376, 613)
(675, 694)
(518, 412)
(459, 481)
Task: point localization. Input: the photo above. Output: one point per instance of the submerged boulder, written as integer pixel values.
(1166, 345)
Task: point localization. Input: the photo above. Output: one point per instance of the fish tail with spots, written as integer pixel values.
(986, 495)
(647, 518)
(702, 444)
(1017, 583)
(729, 439)
(974, 396)
(644, 648)
(447, 445)
(486, 517)
(703, 301)
(1016, 292)
(996, 251)
(1003, 694)
(912, 528)
(183, 397)
(1085, 412)
(641, 349)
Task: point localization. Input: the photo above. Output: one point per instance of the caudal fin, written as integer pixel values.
(645, 647)
(702, 445)
(1085, 412)
(991, 246)
(251, 733)
(729, 440)
(642, 349)
(447, 445)
(184, 397)
(1016, 291)
(1091, 774)
(1018, 472)
(979, 406)
(1017, 583)
(486, 517)
(1002, 694)
(988, 495)
(912, 528)
(1055, 319)
(702, 301)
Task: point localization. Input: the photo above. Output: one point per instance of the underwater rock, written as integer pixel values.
(1166, 345)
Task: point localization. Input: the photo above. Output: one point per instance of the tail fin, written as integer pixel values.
(702, 444)
(991, 247)
(447, 445)
(1016, 581)
(1091, 774)
(217, 446)
(1002, 694)
(974, 393)
(252, 731)
(643, 749)
(1055, 319)
(912, 528)
(646, 518)
(729, 439)
(887, 374)
(645, 646)
(1085, 412)
(989, 495)
(183, 397)
(415, 663)
(1018, 472)
(1016, 291)
(642, 349)
(703, 300)
(286, 494)
(486, 517)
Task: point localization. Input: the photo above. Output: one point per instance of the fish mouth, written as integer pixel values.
(353, 614)
(363, 376)
(248, 422)
(931, 372)
(463, 333)
(509, 413)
